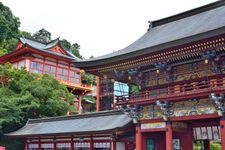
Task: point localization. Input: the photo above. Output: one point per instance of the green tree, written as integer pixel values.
(9, 24)
(26, 95)
(10, 44)
(25, 34)
(42, 36)
(65, 44)
(73, 48)
(9, 31)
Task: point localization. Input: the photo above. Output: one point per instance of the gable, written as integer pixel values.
(19, 45)
(58, 49)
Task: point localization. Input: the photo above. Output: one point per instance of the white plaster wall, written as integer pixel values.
(120, 146)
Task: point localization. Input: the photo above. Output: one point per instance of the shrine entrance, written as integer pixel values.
(200, 134)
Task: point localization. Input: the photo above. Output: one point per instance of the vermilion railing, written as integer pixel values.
(79, 85)
(176, 92)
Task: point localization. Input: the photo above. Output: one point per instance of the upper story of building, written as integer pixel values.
(180, 57)
(48, 58)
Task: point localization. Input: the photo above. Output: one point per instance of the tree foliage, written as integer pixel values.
(26, 95)
(9, 24)
(9, 31)
(42, 35)
(73, 48)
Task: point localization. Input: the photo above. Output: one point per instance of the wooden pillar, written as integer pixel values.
(169, 136)
(72, 144)
(25, 144)
(97, 94)
(222, 130)
(54, 144)
(113, 145)
(138, 137)
(91, 143)
(79, 104)
(206, 145)
(39, 144)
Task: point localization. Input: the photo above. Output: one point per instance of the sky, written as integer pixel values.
(98, 26)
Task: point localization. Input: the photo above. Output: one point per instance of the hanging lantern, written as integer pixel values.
(165, 118)
(82, 72)
(157, 71)
(129, 77)
(219, 112)
(206, 61)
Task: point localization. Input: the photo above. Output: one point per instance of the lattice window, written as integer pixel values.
(36, 67)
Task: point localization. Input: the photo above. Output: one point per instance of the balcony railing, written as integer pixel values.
(76, 85)
(176, 92)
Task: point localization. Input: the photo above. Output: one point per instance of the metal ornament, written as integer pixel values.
(165, 107)
(219, 102)
(133, 111)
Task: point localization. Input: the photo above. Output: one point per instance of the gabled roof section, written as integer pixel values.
(106, 121)
(52, 47)
(186, 27)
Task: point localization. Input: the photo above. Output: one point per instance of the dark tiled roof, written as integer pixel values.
(44, 47)
(77, 124)
(164, 32)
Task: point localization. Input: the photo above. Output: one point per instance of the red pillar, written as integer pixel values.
(39, 144)
(72, 144)
(169, 136)
(113, 147)
(222, 130)
(97, 94)
(54, 145)
(91, 143)
(138, 137)
(25, 144)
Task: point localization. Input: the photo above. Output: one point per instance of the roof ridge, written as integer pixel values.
(57, 39)
(77, 116)
(186, 14)
(35, 40)
(32, 39)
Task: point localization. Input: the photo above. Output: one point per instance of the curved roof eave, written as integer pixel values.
(103, 61)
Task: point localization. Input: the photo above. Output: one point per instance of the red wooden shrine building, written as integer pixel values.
(49, 58)
(177, 67)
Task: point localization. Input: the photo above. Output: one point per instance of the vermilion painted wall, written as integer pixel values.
(2, 148)
(158, 137)
(185, 136)
(186, 139)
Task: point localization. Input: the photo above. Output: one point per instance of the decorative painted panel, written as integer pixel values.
(183, 108)
(180, 73)
(193, 107)
(151, 112)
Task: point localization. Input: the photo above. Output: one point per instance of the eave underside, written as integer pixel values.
(190, 51)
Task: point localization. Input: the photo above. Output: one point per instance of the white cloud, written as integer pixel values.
(99, 26)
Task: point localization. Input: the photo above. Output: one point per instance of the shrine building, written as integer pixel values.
(165, 91)
(49, 58)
